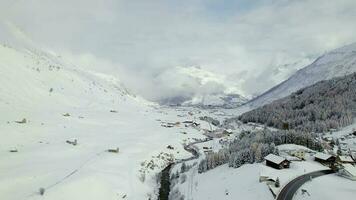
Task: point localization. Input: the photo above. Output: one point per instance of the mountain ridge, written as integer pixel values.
(336, 63)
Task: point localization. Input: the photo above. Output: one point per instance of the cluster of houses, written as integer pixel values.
(344, 165)
(329, 142)
(218, 133)
(279, 162)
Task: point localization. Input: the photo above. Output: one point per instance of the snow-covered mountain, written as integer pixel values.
(281, 72)
(196, 86)
(335, 63)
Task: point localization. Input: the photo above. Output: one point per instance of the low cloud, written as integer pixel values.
(246, 44)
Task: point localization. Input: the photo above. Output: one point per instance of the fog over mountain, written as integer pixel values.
(336, 63)
(244, 47)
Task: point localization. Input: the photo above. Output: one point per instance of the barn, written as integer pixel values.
(325, 158)
(277, 162)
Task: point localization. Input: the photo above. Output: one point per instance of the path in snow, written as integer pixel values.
(76, 170)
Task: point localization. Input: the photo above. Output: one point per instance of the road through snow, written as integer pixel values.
(291, 188)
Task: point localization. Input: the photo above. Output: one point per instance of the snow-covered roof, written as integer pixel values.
(292, 147)
(274, 158)
(346, 159)
(322, 156)
(350, 169)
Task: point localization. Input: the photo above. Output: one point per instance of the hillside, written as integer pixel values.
(335, 63)
(47, 104)
(33, 78)
(323, 106)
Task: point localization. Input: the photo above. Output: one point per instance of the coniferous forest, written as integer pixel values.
(323, 106)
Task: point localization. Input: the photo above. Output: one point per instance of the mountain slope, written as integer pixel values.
(336, 63)
(323, 106)
(31, 78)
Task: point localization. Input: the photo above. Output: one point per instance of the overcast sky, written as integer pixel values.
(234, 45)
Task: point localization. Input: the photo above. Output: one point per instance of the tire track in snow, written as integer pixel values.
(76, 170)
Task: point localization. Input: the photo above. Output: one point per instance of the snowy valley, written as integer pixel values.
(49, 104)
(69, 133)
(114, 102)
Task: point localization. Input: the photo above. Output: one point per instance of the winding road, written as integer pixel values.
(291, 188)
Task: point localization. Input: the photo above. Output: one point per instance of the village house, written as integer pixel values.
(345, 159)
(326, 159)
(300, 153)
(277, 162)
(348, 171)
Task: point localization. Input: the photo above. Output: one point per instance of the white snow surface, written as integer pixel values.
(103, 115)
(350, 169)
(322, 156)
(240, 183)
(328, 187)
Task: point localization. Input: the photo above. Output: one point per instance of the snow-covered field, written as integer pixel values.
(328, 187)
(226, 183)
(61, 102)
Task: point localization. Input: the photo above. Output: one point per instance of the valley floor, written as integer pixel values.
(87, 170)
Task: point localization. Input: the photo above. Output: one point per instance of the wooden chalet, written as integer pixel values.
(277, 162)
